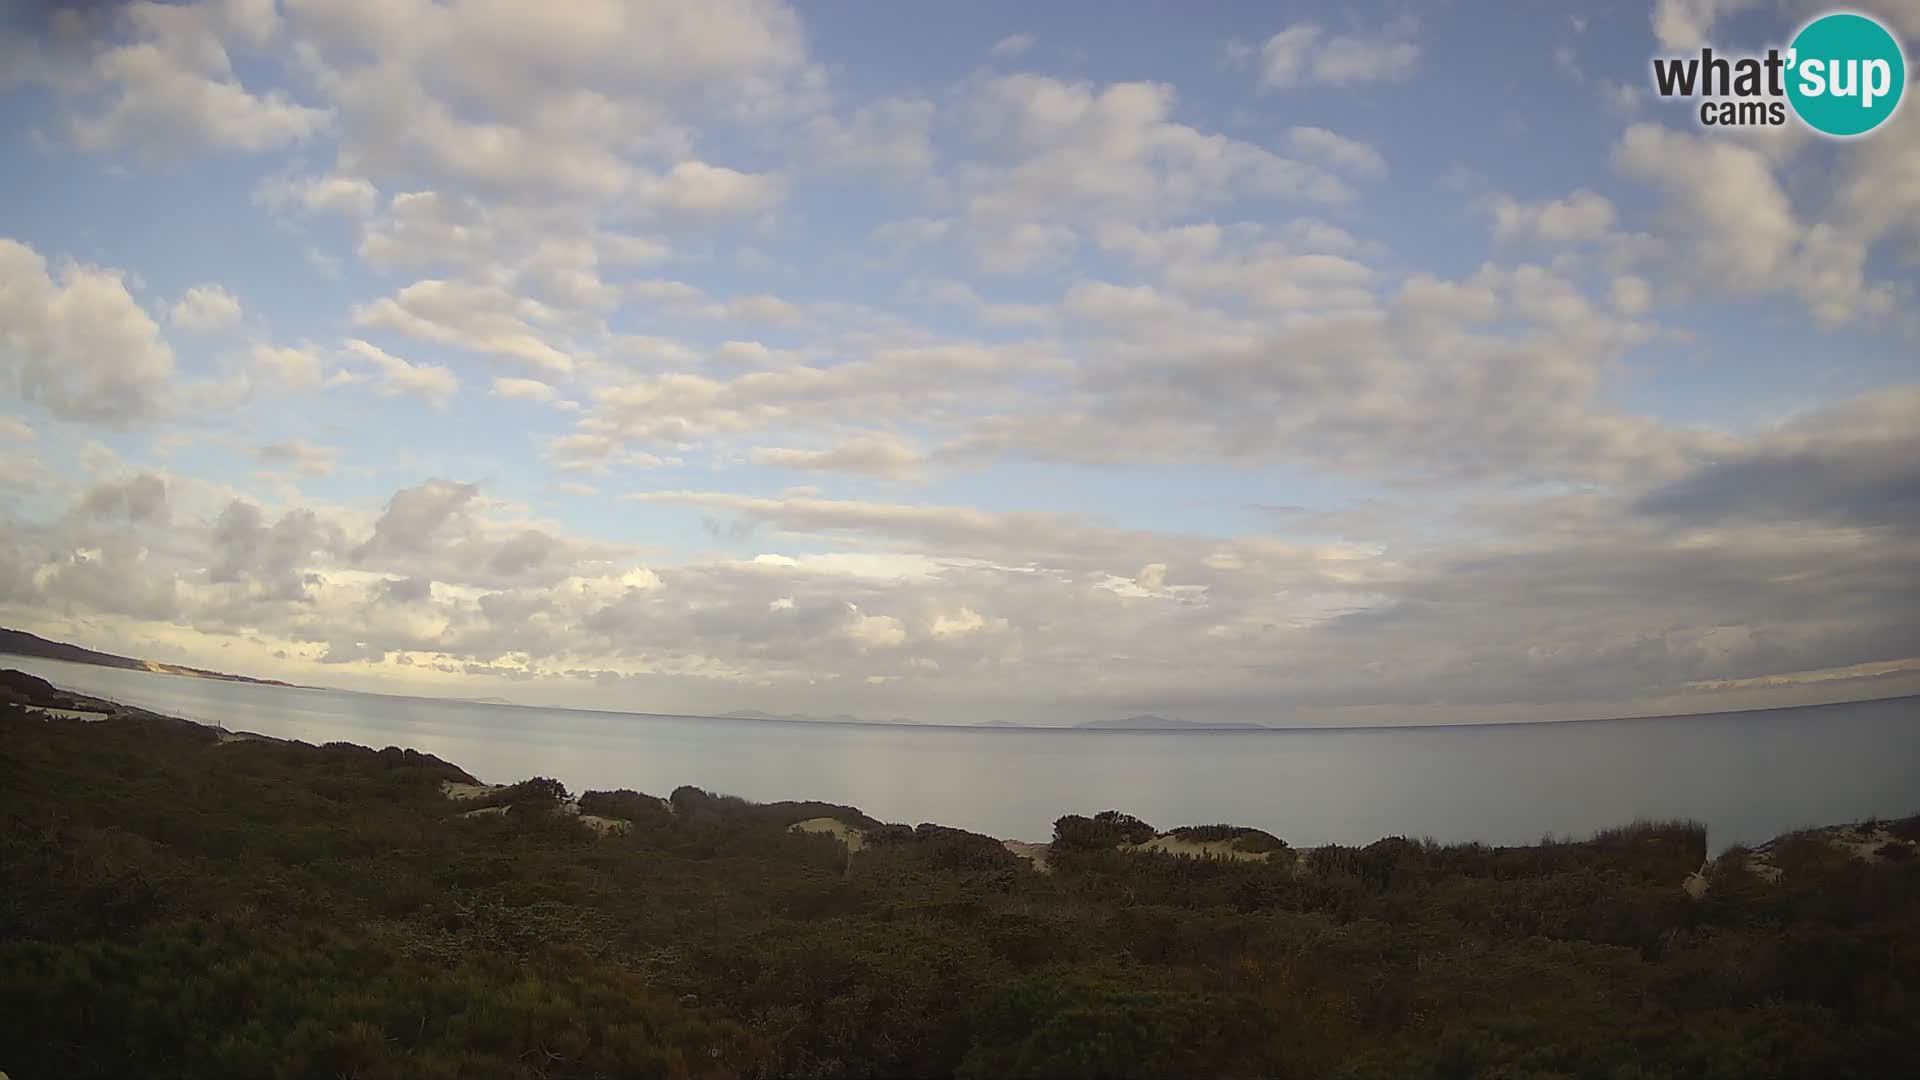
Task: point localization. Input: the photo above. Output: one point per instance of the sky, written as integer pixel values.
(1298, 363)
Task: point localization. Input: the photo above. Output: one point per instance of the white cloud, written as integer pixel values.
(1013, 45)
(1306, 54)
(875, 631)
(1336, 151)
(697, 189)
(346, 196)
(512, 98)
(1582, 216)
(206, 309)
(1070, 151)
(171, 87)
(533, 390)
(295, 368)
(1737, 229)
(76, 342)
(483, 318)
(962, 623)
(434, 384)
(880, 454)
(1631, 295)
(890, 134)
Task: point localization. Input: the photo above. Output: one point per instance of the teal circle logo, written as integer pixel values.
(1845, 74)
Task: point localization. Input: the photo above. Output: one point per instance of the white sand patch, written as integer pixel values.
(1865, 841)
(468, 791)
(1696, 884)
(834, 827)
(82, 715)
(604, 826)
(486, 811)
(1200, 849)
(1040, 855)
(225, 737)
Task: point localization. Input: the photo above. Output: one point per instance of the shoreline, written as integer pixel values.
(1055, 729)
(1863, 838)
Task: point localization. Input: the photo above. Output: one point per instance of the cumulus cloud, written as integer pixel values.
(1336, 151)
(1306, 54)
(1114, 153)
(206, 309)
(168, 86)
(346, 196)
(483, 318)
(391, 376)
(74, 340)
(1741, 231)
(1582, 216)
(891, 134)
(699, 190)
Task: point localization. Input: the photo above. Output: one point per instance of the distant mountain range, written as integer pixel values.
(21, 643)
(756, 714)
(1157, 723)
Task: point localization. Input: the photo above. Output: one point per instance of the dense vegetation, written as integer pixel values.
(178, 907)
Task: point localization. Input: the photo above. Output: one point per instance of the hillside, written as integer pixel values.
(186, 902)
(21, 643)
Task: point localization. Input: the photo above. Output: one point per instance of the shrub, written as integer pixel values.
(648, 811)
(1103, 831)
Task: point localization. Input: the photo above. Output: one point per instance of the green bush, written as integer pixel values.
(1103, 831)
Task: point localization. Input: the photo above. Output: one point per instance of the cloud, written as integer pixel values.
(483, 318)
(206, 309)
(1306, 54)
(434, 384)
(73, 340)
(890, 134)
(509, 99)
(1688, 24)
(875, 631)
(532, 390)
(1337, 152)
(699, 190)
(346, 196)
(1013, 45)
(1737, 228)
(138, 499)
(295, 368)
(1073, 151)
(1580, 217)
(302, 457)
(414, 515)
(879, 454)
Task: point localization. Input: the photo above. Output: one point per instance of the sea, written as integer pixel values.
(1750, 776)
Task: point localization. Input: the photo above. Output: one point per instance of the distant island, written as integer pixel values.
(801, 718)
(21, 643)
(1147, 722)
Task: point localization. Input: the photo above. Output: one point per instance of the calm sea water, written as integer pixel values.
(1749, 775)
